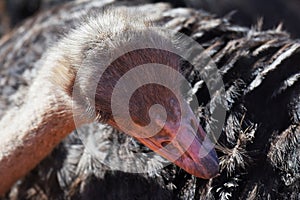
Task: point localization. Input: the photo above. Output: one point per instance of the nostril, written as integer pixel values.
(165, 143)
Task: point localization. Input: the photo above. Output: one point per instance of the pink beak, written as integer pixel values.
(187, 147)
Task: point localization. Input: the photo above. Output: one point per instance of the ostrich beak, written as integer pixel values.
(186, 146)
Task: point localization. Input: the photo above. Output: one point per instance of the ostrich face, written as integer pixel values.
(162, 120)
(180, 138)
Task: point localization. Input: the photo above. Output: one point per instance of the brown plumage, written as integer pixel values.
(260, 137)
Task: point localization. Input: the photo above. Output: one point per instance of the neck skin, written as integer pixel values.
(30, 133)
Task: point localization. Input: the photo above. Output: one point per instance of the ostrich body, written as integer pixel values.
(260, 137)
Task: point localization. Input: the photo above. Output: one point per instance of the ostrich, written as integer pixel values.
(259, 140)
(49, 112)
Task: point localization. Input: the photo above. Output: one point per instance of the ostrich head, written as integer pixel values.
(83, 76)
(158, 116)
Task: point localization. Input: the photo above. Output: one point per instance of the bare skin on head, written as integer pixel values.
(31, 132)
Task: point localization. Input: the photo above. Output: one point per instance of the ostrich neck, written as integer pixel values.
(30, 133)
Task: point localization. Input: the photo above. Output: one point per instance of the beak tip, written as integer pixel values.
(214, 172)
(211, 163)
(214, 164)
